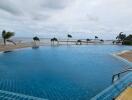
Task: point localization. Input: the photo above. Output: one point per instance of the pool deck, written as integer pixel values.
(126, 94)
(10, 47)
(126, 55)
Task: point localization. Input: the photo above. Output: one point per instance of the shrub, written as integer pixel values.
(127, 40)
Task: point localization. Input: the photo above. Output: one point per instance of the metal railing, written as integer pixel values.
(116, 77)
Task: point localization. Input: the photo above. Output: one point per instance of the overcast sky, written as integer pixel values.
(81, 18)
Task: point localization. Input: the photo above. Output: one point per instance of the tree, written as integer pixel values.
(53, 40)
(79, 42)
(36, 38)
(7, 35)
(102, 40)
(113, 42)
(96, 37)
(87, 40)
(35, 42)
(121, 36)
(69, 36)
(127, 40)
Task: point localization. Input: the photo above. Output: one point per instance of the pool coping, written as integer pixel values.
(115, 55)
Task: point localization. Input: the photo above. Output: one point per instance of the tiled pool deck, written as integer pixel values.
(126, 94)
(4, 95)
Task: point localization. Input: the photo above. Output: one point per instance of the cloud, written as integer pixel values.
(66, 16)
(9, 7)
(55, 4)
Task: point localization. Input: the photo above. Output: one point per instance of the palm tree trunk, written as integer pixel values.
(4, 41)
(35, 43)
(67, 41)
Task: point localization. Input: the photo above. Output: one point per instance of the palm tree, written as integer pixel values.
(121, 36)
(96, 37)
(127, 40)
(87, 40)
(69, 36)
(53, 40)
(36, 38)
(113, 42)
(7, 35)
(102, 40)
(79, 42)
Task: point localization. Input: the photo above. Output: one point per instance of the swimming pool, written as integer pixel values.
(60, 73)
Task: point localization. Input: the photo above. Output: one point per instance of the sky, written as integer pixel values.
(81, 18)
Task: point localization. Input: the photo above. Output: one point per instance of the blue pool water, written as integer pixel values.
(60, 73)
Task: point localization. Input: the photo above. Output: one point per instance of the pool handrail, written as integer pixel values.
(118, 74)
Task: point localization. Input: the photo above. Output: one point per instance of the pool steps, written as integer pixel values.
(115, 89)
